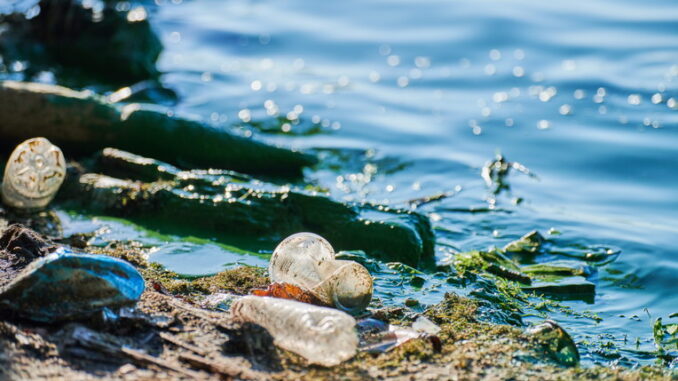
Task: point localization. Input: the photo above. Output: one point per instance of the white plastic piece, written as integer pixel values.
(307, 260)
(219, 301)
(323, 336)
(33, 174)
(423, 324)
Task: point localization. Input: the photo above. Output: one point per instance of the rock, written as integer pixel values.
(99, 42)
(19, 247)
(65, 286)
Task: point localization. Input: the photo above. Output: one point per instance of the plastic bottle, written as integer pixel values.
(323, 336)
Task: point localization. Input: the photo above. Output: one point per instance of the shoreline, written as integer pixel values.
(178, 339)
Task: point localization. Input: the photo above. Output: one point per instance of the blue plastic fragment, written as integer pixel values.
(64, 286)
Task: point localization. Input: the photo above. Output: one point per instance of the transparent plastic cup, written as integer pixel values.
(308, 261)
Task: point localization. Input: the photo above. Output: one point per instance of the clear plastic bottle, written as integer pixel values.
(307, 260)
(33, 174)
(323, 336)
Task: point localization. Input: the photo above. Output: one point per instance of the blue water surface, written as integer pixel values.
(419, 95)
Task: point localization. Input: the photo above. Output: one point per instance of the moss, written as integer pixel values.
(472, 347)
(239, 280)
(529, 243)
(207, 204)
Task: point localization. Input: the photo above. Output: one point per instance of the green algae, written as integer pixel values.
(529, 243)
(475, 342)
(558, 268)
(560, 279)
(240, 280)
(471, 349)
(666, 340)
(212, 203)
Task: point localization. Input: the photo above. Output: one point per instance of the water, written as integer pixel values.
(414, 97)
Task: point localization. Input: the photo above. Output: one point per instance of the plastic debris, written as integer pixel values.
(64, 286)
(34, 172)
(557, 342)
(321, 335)
(308, 261)
(495, 173)
(219, 301)
(379, 337)
(530, 243)
(289, 291)
(423, 324)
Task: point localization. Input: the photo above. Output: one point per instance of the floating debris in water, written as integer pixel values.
(529, 243)
(495, 174)
(598, 254)
(308, 261)
(559, 268)
(564, 288)
(33, 175)
(634, 99)
(417, 202)
(321, 335)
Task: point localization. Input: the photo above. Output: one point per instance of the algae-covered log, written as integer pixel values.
(82, 123)
(220, 203)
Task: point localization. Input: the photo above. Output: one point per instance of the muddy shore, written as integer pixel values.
(173, 336)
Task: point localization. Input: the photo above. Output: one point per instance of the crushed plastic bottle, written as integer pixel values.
(323, 336)
(34, 172)
(308, 261)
